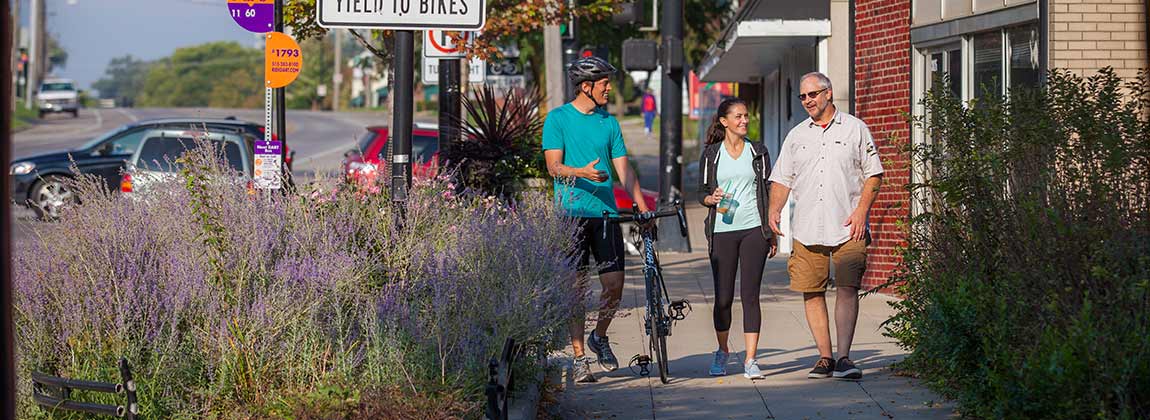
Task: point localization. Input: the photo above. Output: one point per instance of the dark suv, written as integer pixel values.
(38, 181)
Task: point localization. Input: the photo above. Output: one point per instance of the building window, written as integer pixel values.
(945, 65)
(981, 64)
(988, 64)
(1024, 66)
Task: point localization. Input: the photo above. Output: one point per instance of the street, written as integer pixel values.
(318, 138)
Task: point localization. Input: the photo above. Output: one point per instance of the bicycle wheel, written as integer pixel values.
(658, 344)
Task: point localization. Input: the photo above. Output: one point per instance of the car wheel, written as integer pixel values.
(76, 113)
(49, 196)
(40, 115)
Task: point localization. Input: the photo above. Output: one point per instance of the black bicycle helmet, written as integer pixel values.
(589, 69)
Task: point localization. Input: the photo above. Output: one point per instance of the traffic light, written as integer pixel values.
(567, 29)
(598, 51)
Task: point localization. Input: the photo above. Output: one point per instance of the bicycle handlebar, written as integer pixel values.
(637, 217)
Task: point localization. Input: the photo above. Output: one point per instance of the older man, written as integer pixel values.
(830, 163)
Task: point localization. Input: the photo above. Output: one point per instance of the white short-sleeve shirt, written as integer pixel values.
(825, 168)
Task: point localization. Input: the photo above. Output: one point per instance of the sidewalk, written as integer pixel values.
(786, 351)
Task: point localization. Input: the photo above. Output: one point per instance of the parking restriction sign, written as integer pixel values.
(440, 44)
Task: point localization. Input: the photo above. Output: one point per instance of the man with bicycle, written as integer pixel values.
(579, 139)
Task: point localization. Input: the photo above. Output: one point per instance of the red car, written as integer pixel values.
(362, 163)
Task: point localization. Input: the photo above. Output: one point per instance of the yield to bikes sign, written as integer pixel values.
(460, 15)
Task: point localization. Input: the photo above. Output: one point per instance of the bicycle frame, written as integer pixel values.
(661, 311)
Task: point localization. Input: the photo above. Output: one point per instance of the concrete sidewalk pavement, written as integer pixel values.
(786, 353)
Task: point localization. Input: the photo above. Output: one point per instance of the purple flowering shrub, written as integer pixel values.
(233, 304)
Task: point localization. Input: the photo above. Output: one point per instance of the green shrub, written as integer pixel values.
(1026, 278)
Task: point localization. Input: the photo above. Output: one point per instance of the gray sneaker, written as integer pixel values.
(846, 369)
(751, 371)
(602, 349)
(581, 370)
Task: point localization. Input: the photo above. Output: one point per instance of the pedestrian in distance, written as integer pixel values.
(649, 107)
(831, 164)
(734, 186)
(581, 143)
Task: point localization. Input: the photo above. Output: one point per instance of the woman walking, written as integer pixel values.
(734, 185)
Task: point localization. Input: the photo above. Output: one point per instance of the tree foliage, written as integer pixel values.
(123, 78)
(191, 76)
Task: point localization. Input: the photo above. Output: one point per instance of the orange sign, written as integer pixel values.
(283, 60)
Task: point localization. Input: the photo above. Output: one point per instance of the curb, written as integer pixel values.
(526, 405)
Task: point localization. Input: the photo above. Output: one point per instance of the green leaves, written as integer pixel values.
(1025, 277)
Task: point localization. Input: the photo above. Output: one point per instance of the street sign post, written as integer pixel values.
(283, 61)
(404, 16)
(459, 15)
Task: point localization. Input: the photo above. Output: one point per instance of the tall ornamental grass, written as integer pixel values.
(229, 304)
(1027, 277)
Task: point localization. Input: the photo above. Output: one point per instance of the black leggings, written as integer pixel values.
(731, 251)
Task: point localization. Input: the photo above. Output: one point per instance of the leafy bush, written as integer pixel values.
(1026, 277)
(234, 305)
(502, 141)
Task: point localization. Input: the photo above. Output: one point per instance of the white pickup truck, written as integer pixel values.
(58, 95)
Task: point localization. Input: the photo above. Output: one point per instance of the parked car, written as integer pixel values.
(155, 159)
(364, 162)
(58, 95)
(38, 181)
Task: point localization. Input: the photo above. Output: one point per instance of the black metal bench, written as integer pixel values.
(55, 393)
(499, 382)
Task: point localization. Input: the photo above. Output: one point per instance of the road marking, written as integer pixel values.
(127, 114)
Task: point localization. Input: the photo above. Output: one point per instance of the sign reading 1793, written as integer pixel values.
(465, 15)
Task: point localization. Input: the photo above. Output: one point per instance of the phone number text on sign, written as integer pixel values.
(282, 60)
(253, 15)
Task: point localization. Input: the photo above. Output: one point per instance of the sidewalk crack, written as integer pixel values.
(770, 415)
(885, 413)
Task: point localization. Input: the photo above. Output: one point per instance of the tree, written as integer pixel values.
(57, 55)
(318, 61)
(190, 75)
(123, 79)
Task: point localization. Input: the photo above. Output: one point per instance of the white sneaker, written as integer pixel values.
(751, 371)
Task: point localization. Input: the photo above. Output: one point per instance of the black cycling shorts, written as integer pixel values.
(608, 252)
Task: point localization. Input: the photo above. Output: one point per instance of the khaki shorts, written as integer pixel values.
(809, 266)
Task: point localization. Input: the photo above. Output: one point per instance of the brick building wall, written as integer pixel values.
(882, 97)
(1087, 35)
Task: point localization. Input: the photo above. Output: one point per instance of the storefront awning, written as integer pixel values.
(751, 48)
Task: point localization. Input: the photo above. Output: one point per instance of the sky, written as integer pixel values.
(95, 31)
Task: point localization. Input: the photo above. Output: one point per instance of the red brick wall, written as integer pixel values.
(882, 99)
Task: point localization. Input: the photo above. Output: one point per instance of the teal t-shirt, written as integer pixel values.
(584, 138)
(737, 176)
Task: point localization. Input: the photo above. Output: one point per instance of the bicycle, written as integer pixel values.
(662, 312)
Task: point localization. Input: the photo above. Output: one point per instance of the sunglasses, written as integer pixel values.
(811, 95)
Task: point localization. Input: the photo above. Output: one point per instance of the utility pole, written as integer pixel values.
(671, 122)
(553, 65)
(8, 386)
(337, 76)
(403, 83)
(280, 118)
(14, 48)
(35, 43)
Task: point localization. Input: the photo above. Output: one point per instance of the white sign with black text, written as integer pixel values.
(430, 74)
(459, 15)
